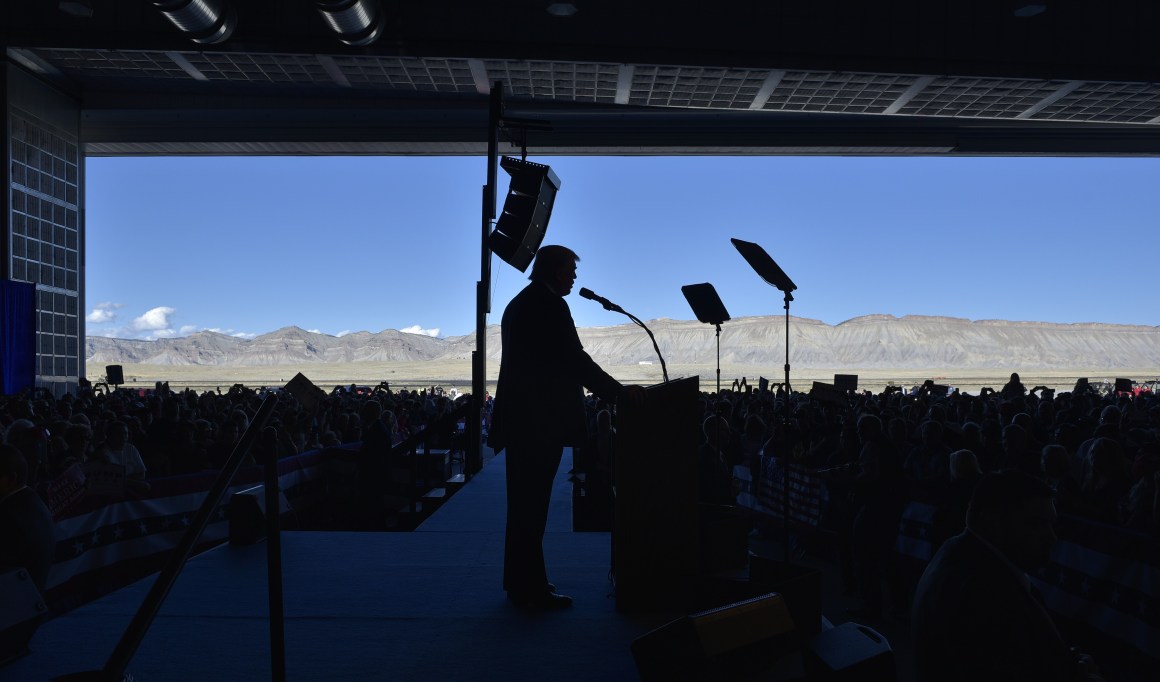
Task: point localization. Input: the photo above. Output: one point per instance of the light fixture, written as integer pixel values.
(357, 22)
(526, 210)
(81, 9)
(205, 21)
(562, 9)
(1024, 9)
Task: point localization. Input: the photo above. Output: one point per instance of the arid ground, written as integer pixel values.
(457, 374)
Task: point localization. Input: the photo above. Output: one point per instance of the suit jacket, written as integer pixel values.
(973, 619)
(540, 392)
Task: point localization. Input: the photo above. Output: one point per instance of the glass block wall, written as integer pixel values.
(46, 242)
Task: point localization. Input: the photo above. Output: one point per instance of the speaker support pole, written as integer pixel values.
(482, 289)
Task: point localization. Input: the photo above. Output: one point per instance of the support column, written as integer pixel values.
(43, 219)
(483, 287)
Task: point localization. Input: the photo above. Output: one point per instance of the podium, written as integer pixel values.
(655, 558)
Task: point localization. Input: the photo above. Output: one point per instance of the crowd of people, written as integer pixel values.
(160, 432)
(1097, 454)
(1100, 454)
(996, 468)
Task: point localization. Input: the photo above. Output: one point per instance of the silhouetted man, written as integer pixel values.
(976, 615)
(539, 409)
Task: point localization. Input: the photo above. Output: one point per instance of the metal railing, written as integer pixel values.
(118, 662)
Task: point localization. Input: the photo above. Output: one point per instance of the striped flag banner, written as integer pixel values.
(1100, 574)
(795, 491)
(101, 541)
(1108, 577)
(916, 532)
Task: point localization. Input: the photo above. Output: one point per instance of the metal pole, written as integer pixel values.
(135, 633)
(788, 298)
(274, 565)
(474, 453)
(718, 361)
(785, 439)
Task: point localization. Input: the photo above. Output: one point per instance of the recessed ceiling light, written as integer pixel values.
(1029, 9)
(562, 9)
(82, 9)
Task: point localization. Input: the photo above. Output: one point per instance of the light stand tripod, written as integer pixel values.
(768, 270)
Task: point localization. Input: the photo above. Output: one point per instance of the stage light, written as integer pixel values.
(526, 211)
(204, 21)
(1029, 9)
(81, 9)
(562, 9)
(357, 22)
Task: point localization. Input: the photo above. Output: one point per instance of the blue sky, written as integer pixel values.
(246, 246)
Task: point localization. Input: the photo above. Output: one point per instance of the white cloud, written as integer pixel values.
(344, 332)
(103, 313)
(187, 329)
(416, 329)
(155, 320)
(231, 332)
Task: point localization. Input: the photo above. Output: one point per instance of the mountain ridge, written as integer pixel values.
(875, 341)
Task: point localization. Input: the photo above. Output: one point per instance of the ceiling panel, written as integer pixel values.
(1080, 77)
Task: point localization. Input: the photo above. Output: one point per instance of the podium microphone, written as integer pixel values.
(591, 296)
(609, 305)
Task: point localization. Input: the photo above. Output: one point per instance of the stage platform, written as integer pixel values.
(423, 605)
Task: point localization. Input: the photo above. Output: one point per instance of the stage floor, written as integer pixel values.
(425, 605)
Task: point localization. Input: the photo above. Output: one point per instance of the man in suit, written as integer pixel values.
(539, 409)
(976, 615)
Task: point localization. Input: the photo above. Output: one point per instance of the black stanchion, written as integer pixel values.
(114, 670)
(274, 563)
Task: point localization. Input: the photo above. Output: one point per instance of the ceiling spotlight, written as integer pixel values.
(1029, 9)
(204, 21)
(562, 9)
(357, 22)
(81, 9)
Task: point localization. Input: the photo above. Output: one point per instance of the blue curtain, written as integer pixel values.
(17, 336)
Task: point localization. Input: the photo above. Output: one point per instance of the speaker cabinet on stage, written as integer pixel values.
(21, 610)
(114, 374)
(850, 653)
(731, 642)
(800, 586)
(247, 514)
(526, 211)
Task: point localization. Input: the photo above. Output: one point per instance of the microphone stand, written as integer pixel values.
(664, 369)
(609, 305)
